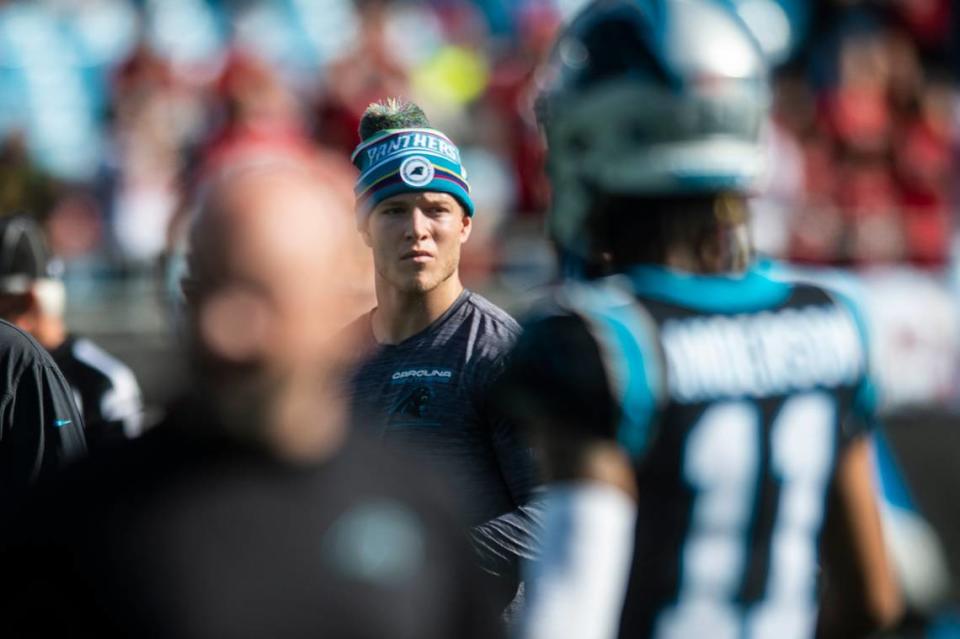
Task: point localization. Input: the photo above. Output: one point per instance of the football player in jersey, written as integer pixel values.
(32, 297)
(704, 427)
(435, 347)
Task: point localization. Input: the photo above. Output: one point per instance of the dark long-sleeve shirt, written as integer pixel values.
(40, 427)
(189, 532)
(430, 393)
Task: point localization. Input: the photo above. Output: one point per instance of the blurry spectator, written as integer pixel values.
(32, 297)
(923, 165)
(23, 185)
(75, 225)
(151, 121)
(878, 154)
(510, 99)
(362, 75)
(859, 120)
(252, 511)
(258, 119)
(928, 21)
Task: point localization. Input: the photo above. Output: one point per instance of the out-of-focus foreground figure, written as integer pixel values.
(41, 430)
(705, 427)
(251, 511)
(32, 297)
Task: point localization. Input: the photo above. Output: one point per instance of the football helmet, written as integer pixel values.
(650, 98)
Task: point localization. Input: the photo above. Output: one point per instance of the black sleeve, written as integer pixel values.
(556, 385)
(478, 611)
(471, 606)
(41, 429)
(503, 542)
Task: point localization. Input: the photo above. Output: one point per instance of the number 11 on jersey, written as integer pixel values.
(722, 463)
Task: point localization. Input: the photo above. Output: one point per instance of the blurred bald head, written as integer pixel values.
(271, 285)
(269, 260)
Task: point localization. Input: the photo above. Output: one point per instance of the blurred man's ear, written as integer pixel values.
(234, 325)
(190, 289)
(467, 227)
(363, 226)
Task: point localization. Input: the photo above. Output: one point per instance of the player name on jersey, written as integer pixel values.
(760, 355)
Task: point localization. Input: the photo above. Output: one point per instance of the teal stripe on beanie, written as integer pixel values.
(400, 153)
(409, 161)
(372, 176)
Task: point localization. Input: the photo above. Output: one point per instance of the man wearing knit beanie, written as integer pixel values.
(436, 348)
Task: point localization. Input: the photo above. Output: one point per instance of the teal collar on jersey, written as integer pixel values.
(751, 291)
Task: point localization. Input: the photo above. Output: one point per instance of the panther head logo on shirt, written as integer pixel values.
(413, 403)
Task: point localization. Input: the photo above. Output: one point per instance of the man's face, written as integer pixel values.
(416, 239)
(281, 250)
(273, 284)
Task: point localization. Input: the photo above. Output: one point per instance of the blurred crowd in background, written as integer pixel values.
(112, 111)
(864, 138)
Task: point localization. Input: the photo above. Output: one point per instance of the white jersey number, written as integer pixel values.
(722, 463)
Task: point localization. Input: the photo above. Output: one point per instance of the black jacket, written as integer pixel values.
(40, 427)
(185, 532)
